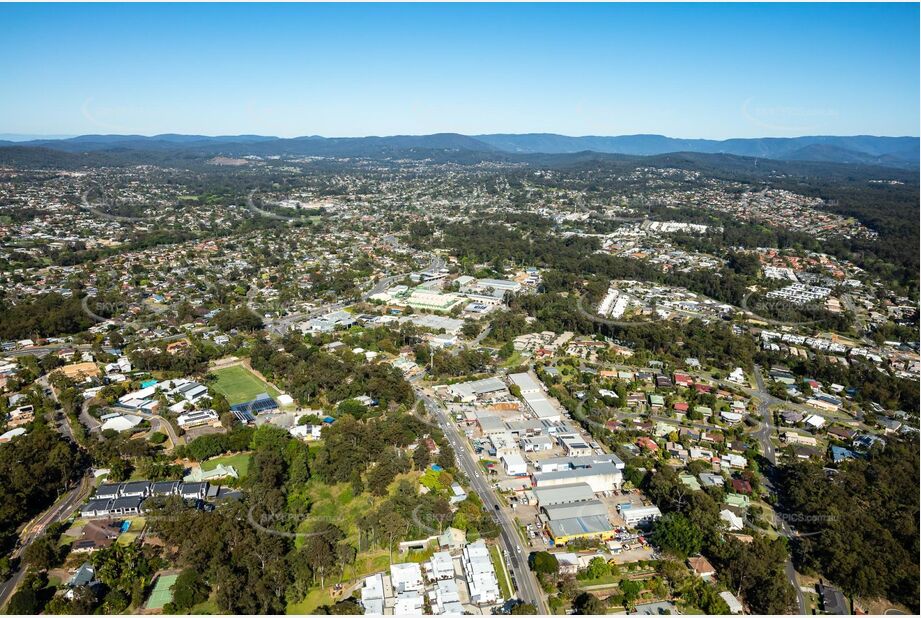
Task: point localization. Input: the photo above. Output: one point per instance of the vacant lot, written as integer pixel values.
(238, 384)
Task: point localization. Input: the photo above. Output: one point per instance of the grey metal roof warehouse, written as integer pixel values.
(580, 525)
(563, 494)
(577, 473)
(586, 508)
(525, 382)
(478, 387)
(541, 407)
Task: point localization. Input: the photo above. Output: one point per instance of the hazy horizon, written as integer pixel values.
(19, 137)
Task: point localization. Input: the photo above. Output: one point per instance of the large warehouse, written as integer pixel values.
(600, 477)
(572, 512)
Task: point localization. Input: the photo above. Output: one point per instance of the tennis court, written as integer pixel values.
(161, 594)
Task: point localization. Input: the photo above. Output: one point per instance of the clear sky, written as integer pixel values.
(712, 71)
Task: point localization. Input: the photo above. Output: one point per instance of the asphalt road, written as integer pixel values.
(763, 435)
(59, 511)
(516, 556)
(88, 420)
(161, 425)
(42, 350)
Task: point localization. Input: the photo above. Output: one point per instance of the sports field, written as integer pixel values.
(238, 384)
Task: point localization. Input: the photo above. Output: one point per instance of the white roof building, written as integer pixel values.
(440, 566)
(196, 418)
(405, 577)
(12, 433)
(122, 423)
(515, 465)
(731, 460)
(637, 515)
(409, 604)
(481, 577)
(526, 383)
(733, 521)
(815, 421)
(306, 432)
(445, 598)
(372, 595)
(600, 477)
(737, 376)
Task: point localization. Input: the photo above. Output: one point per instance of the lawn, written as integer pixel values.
(238, 384)
(377, 560)
(240, 461)
(504, 586)
(314, 599)
(604, 580)
(129, 537)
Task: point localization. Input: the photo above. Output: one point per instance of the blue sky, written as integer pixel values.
(712, 71)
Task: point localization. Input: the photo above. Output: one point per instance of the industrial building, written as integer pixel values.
(572, 512)
(639, 516)
(600, 477)
(535, 397)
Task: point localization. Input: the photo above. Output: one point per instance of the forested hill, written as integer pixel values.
(896, 152)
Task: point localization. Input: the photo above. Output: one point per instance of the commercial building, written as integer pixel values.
(585, 527)
(515, 465)
(469, 392)
(421, 298)
(564, 494)
(638, 516)
(574, 445)
(572, 512)
(535, 397)
(567, 463)
(600, 477)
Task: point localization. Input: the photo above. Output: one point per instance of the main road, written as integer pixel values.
(528, 588)
(765, 399)
(59, 511)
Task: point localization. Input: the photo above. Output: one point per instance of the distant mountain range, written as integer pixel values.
(898, 152)
(863, 149)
